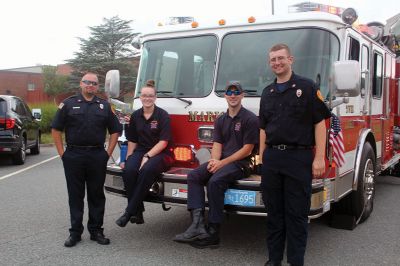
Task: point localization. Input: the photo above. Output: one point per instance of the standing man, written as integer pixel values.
(292, 123)
(85, 118)
(235, 136)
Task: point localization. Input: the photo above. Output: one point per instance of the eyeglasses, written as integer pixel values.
(233, 92)
(88, 82)
(278, 59)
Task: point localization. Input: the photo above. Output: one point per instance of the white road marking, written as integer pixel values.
(29, 167)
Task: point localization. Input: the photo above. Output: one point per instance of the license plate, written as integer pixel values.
(179, 193)
(240, 197)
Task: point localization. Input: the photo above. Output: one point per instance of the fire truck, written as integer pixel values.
(355, 68)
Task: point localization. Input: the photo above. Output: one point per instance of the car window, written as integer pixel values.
(19, 107)
(3, 107)
(27, 109)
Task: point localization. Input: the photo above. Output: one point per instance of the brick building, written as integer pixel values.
(27, 82)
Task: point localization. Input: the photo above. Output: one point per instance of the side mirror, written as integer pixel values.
(37, 114)
(346, 78)
(111, 86)
(136, 43)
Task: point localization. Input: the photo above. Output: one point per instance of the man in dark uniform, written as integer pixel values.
(235, 136)
(292, 123)
(85, 118)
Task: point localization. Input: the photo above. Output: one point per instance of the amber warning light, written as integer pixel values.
(183, 154)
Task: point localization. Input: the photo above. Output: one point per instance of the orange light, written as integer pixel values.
(221, 22)
(195, 24)
(251, 19)
(332, 10)
(183, 154)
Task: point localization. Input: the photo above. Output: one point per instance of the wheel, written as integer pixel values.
(357, 206)
(363, 198)
(20, 156)
(36, 149)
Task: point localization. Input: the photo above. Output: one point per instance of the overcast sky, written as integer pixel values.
(46, 31)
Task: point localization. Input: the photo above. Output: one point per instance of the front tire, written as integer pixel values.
(36, 149)
(363, 200)
(20, 156)
(357, 206)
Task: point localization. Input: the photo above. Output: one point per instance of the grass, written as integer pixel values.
(46, 138)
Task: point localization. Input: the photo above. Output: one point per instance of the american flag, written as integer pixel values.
(336, 141)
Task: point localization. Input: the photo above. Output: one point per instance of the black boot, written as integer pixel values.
(196, 229)
(123, 220)
(138, 218)
(211, 240)
(273, 263)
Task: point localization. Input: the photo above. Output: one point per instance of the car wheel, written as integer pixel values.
(20, 156)
(36, 149)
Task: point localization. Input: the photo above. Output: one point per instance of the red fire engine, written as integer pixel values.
(357, 74)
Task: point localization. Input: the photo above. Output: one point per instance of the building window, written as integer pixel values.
(31, 86)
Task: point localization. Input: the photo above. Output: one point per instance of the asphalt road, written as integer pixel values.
(34, 222)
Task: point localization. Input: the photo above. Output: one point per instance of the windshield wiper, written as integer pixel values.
(168, 93)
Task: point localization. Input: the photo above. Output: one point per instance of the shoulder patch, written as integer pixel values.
(319, 95)
(61, 105)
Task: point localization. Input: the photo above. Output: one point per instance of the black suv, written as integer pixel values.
(19, 129)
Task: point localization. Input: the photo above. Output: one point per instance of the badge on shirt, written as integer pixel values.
(238, 126)
(76, 107)
(101, 106)
(299, 92)
(61, 105)
(154, 124)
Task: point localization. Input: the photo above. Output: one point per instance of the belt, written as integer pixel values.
(283, 147)
(84, 147)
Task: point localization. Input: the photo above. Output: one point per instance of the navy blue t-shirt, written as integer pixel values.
(234, 132)
(148, 132)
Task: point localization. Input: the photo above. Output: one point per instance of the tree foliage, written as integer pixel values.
(108, 47)
(54, 83)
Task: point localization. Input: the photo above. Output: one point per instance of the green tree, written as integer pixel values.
(54, 83)
(108, 47)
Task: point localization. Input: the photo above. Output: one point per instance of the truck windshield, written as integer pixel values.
(181, 67)
(244, 57)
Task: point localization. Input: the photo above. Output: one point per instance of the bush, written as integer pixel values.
(48, 111)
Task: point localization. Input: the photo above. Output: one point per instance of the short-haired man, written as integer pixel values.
(292, 123)
(235, 136)
(85, 119)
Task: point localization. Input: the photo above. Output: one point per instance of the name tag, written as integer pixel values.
(76, 107)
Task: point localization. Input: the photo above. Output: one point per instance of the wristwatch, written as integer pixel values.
(147, 156)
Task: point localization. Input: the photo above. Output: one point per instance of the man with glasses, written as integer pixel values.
(85, 119)
(235, 136)
(292, 123)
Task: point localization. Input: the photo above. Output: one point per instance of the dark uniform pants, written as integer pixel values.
(85, 166)
(216, 183)
(286, 187)
(138, 182)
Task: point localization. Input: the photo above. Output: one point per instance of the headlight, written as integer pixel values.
(205, 134)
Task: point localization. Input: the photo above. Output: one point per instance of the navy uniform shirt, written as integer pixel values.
(85, 122)
(288, 117)
(234, 132)
(148, 132)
